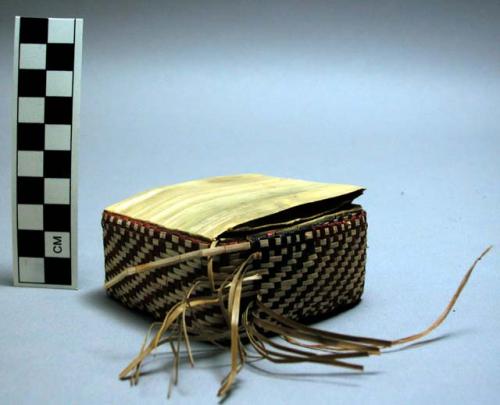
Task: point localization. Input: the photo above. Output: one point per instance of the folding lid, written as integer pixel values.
(209, 207)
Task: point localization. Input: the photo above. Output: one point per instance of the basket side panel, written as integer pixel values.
(314, 277)
(306, 273)
(128, 243)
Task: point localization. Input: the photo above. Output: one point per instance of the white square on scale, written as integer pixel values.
(31, 109)
(30, 163)
(32, 56)
(56, 191)
(30, 217)
(61, 30)
(57, 137)
(31, 270)
(57, 244)
(59, 83)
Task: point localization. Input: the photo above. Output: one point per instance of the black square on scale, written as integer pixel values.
(31, 83)
(30, 243)
(57, 271)
(30, 190)
(57, 218)
(60, 56)
(58, 110)
(57, 164)
(34, 30)
(30, 137)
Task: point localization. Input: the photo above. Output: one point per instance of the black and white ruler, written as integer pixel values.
(47, 71)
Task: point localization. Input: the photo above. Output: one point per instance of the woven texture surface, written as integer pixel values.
(301, 277)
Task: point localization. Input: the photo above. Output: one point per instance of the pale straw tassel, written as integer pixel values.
(325, 347)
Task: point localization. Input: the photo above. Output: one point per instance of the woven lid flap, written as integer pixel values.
(212, 206)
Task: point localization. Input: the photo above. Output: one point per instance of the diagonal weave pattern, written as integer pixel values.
(306, 272)
(255, 286)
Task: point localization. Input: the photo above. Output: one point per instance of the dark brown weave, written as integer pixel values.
(302, 277)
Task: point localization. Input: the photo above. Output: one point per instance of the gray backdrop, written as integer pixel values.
(400, 97)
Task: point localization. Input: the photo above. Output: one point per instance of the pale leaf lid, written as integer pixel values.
(212, 206)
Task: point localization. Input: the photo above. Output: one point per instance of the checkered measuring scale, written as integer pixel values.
(47, 70)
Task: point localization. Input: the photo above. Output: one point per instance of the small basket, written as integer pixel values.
(236, 259)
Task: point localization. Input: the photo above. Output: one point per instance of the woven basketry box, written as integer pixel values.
(312, 241)
(238, 259)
